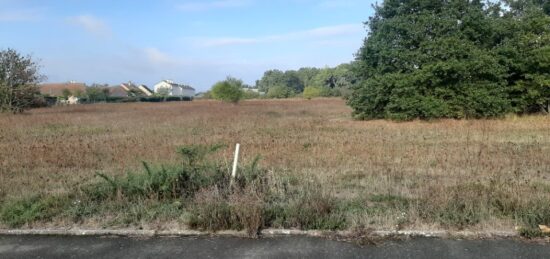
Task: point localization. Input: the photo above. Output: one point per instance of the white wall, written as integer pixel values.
(174, 91)
(188, 93)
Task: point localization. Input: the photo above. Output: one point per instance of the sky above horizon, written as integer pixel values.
(188, 41)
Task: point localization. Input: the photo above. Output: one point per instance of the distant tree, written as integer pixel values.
(307, 74)
(207, 95)
(312, 92)
(229, 90)
(274, 78)
(66, 93)
(19, 78)
(97, 93)
(292, 81)
(79, 93)
(271, 78)
(280, 92)
(106, 93)
(249, 94)
(332, 81)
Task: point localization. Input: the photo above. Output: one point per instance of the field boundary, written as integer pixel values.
(264, 233)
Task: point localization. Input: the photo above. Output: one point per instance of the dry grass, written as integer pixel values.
(53, 150)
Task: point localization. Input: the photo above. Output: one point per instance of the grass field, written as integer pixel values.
(449, 174)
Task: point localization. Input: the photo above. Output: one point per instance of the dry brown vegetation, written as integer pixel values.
(441, 174)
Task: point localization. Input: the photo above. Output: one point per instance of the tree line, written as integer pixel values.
(312, 82)
(308, 82)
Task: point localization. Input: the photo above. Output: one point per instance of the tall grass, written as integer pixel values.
(446, 174)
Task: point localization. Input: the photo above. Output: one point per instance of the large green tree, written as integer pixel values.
(429, 59)
(19, 78)
(523, 45)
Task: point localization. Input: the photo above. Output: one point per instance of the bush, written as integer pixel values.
(114, 99)
(229, 90)
(251, 95)
(165, 183)
(152, 99)
(173, 99)
(41, 101)
(312, 92)
(280, 92)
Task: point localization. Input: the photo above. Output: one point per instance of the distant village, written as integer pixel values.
(74, 93)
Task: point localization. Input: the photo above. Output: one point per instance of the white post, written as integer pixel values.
(235, 161)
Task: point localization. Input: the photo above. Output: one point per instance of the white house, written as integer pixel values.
(174, 89)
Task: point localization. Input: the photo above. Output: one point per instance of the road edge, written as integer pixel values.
(265, 232)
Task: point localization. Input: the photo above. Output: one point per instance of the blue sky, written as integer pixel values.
(189, 41)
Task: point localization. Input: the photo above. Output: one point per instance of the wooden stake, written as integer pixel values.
(235, 162)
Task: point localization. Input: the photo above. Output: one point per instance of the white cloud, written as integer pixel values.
(319, 33)
(91, 24)
(207, 5)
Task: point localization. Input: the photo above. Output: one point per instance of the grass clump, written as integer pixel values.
(238, 206)
(469, 204)
(18, 212)
(532, 215)
(462, 206)
(310, 209)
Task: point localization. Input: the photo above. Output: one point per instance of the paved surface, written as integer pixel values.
(284, 247)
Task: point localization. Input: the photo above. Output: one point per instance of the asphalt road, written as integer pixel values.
(284, 247)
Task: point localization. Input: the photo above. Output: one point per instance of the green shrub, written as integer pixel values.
(249, 94)
(152, 99)
(18, 212)
(280, 92)
(229, 90)
(173, 182)
(312, 92)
